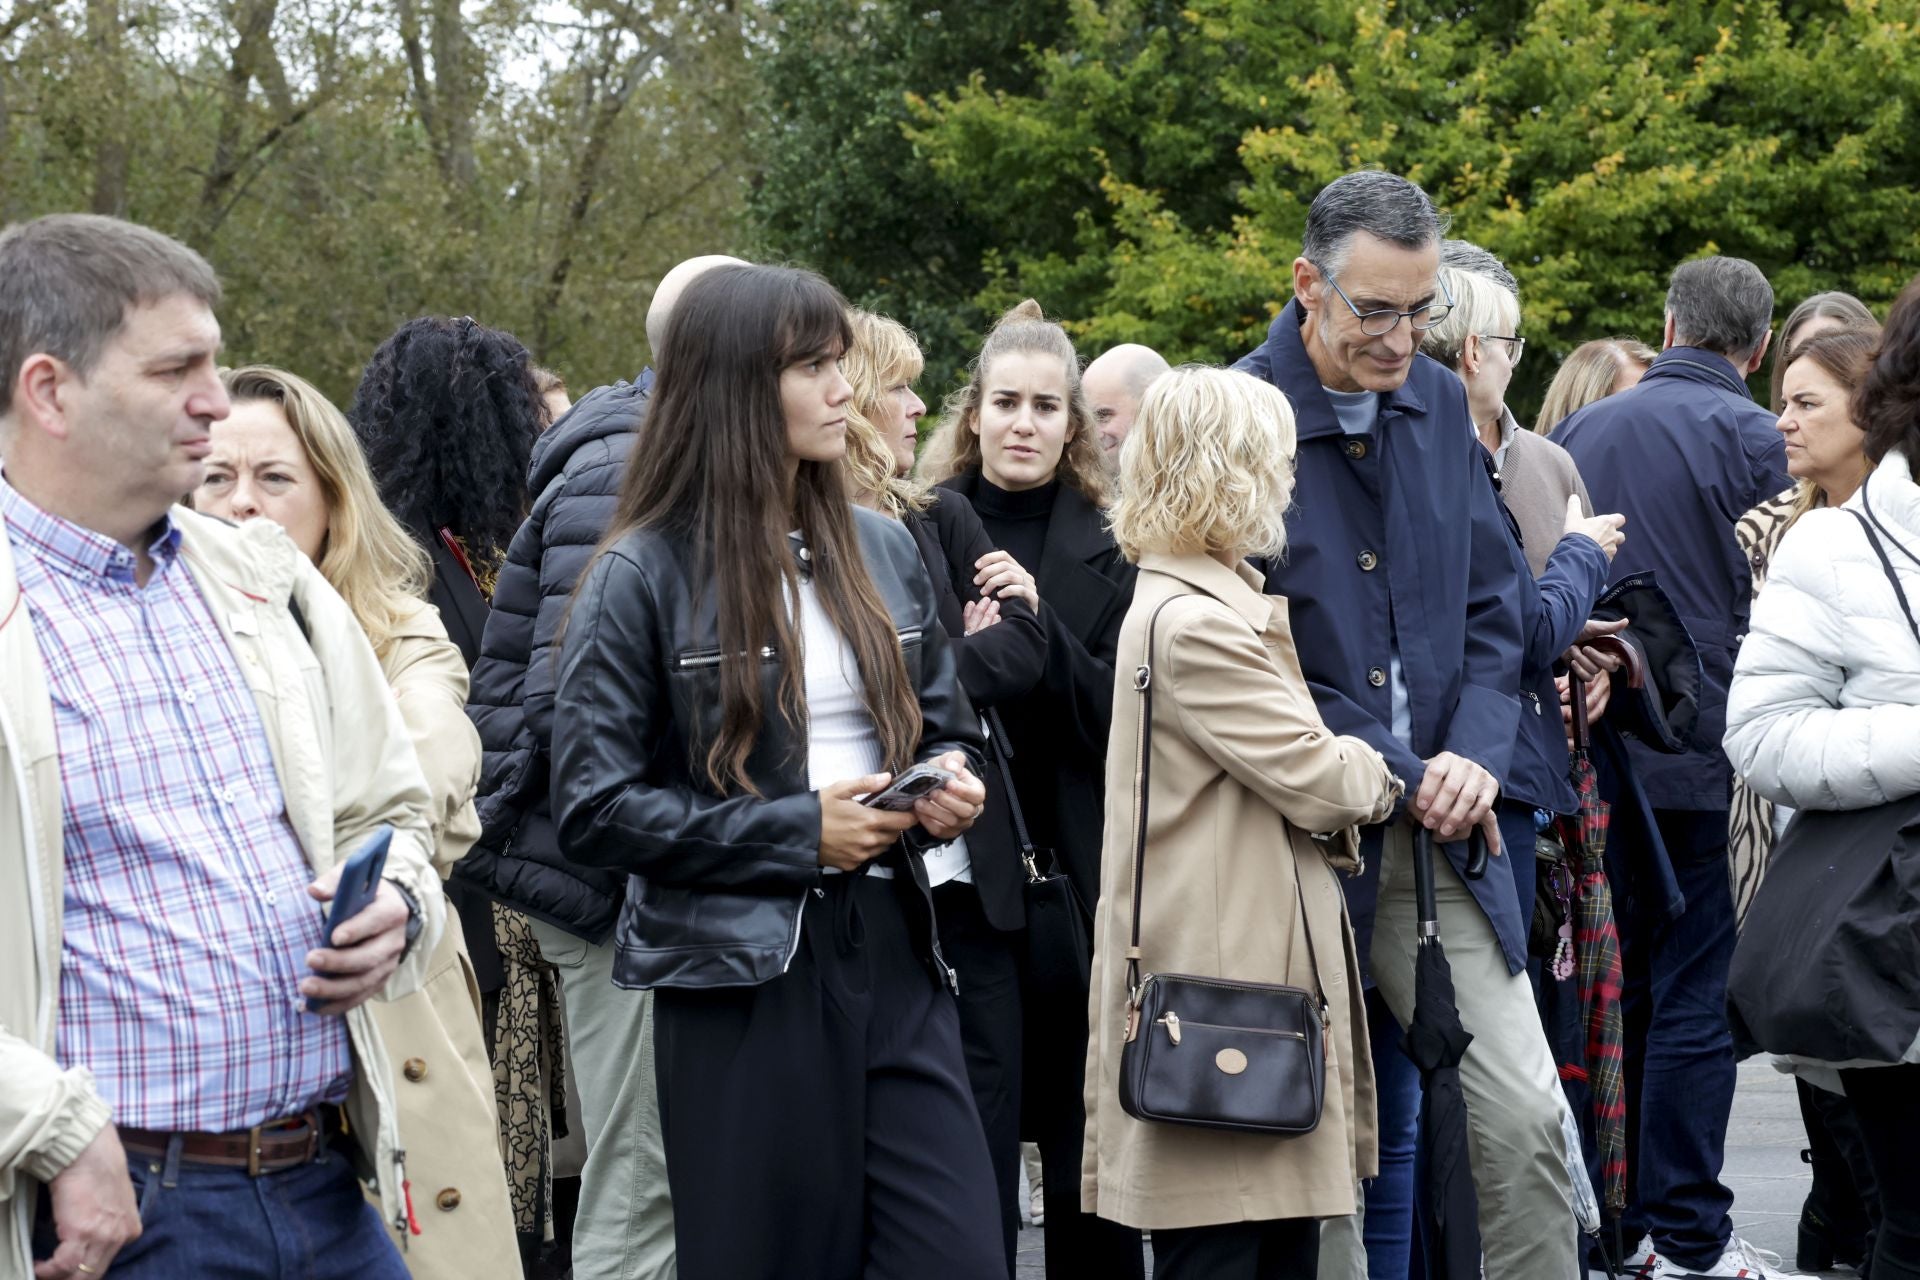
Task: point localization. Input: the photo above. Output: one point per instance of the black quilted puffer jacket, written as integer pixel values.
(575, 479)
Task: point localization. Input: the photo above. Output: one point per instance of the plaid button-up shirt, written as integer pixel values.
(186, 917)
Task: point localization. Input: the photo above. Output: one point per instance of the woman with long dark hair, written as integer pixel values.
(747, 658)
(447, 411)
(1018, 443)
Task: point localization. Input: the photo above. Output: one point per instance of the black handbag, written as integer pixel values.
(1249, 1057)
(1825, 964)
(1059, 932)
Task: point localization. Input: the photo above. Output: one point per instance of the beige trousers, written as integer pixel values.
(1515, 1144)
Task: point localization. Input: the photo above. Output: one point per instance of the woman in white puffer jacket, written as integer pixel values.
(1824, 708)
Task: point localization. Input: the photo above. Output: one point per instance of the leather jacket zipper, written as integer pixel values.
(712, 657)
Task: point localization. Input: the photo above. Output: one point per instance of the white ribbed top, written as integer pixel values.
(841, 740)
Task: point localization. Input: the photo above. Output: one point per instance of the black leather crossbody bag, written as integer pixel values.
(1243, 1056)
(1059, 933)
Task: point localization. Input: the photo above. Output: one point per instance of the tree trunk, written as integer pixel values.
(112, 152)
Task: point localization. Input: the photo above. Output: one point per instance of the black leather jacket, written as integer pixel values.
(716, 882)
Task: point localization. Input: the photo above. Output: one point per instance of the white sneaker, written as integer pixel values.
(1639, 1264)
(1741, 1261)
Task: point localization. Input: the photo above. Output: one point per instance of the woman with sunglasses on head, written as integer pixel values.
(1823, 713)
(747, 658)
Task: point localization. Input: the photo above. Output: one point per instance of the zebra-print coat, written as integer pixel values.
(1750, 825)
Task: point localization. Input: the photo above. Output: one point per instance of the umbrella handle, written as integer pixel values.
(1476, 854)
(1423, 892)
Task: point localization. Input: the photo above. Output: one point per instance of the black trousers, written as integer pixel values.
(1887, 1102)
(1080, 1246)
(819, 1126)
(988, 963)
(1280, 1249)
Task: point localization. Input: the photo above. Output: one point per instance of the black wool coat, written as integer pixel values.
(997, 665)
(1058, 732)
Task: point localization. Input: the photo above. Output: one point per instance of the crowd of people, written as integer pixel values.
(805, 837)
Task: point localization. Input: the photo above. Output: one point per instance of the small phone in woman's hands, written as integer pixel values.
(913, 785)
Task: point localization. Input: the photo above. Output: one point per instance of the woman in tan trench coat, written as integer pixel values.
(1244, 774)
(287, 455)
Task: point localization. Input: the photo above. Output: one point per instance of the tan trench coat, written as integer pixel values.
(1243, 771)
(442, 1079)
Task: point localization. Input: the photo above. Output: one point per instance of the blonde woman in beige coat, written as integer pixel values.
(1244, 775)
(287, 454)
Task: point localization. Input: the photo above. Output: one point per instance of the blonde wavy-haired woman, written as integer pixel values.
(1018, 444)
(1244, 774)
(287, 455)
(979, 902)
(1592, 371)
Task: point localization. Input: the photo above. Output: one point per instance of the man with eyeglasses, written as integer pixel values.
(1403, 593)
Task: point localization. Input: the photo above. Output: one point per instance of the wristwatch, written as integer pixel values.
(415, 921)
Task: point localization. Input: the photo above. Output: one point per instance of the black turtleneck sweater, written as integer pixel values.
(1017, 522)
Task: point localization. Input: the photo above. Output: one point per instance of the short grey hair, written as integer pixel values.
(1720, 304)
(1370, 200)
(1480, 307)
(68, 280)
(1465, 255)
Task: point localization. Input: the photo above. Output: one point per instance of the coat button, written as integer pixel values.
(414, 1069)
(448, 1199)
(1367, 561)
(1376, 677)
(1356, 449)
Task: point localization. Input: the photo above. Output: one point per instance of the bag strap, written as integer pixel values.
(1002, 757)
(1886, 566)
(1143, 683)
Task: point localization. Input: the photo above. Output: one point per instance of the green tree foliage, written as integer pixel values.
(1151, 185)
(349, 164)
(839, 185)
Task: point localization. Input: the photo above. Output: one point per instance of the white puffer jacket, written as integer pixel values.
(1824, 709)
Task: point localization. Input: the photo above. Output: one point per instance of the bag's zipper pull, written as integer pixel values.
(1171, 1021)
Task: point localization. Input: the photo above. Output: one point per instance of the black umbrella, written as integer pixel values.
(1436, 1042)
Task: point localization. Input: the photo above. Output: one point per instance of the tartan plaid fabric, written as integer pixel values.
(1599, 980)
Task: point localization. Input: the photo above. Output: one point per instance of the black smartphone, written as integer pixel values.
(914, 784)
(359, 883)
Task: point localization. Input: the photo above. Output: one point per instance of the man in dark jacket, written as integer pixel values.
(1404, 595)
(624, 1224)
(1683, 456)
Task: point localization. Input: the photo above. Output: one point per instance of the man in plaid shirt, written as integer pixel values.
(194, 734)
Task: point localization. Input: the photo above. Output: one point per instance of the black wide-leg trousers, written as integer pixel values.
(820, 1126)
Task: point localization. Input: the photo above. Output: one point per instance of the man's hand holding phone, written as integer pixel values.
(366, 931)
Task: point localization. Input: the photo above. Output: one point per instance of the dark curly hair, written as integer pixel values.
(447, 411)
(1887, 403)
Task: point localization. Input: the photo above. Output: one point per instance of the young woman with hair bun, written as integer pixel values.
(1018, 444)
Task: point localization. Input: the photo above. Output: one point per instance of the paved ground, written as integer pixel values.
(1763, 1168)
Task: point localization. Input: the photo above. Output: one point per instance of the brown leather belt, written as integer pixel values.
(267, 1148)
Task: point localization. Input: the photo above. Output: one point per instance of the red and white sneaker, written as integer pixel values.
(1741, 1261)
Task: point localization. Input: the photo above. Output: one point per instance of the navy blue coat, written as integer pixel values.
(1401, 534)
(1683, 456)
(1551, 614)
